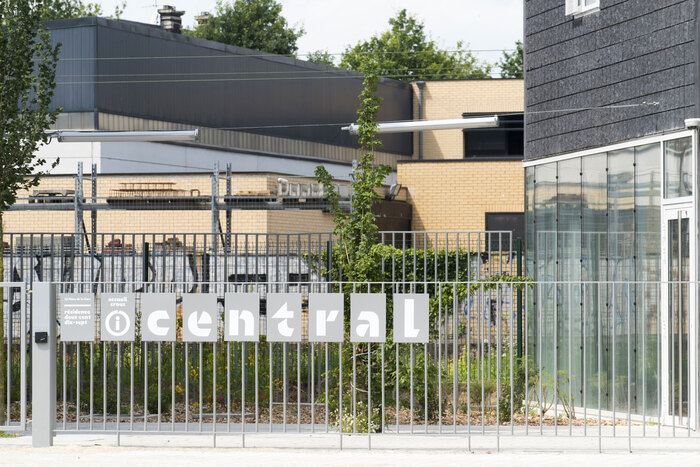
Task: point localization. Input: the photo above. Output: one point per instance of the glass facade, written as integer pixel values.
(594, 233)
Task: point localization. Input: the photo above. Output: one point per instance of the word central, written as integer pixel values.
(201, 315)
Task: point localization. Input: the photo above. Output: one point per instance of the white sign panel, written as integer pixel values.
(199, 317)
(77, 317)
(368, 317)
(117, 317)
(283, 317)
(242, 317)
(411, 318)
(158, 317)
(326, 317)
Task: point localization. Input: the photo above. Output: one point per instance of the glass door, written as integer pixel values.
(678, 317)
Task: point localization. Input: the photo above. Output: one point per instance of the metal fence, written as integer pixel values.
(191, 257)
(89, 261)
(306, 387)
(601, 369)
(590, 361)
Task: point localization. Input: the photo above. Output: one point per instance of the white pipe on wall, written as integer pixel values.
(426, 125)
(121, 136)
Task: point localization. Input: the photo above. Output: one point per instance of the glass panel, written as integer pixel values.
(678, 272)
(621, 272)
(594, 254)
(603, 214)
(569, 295)
(647, 200)
(546, 264)
(530, 253)
(678, 172)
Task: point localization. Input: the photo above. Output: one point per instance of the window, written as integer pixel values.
(505, 221)
(502, 142)
(678, 168)
(578, 8)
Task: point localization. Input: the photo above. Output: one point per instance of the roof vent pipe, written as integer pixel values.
(171, 19)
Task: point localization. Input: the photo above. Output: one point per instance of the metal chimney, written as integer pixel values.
(170, 19)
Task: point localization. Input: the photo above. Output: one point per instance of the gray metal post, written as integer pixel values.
(78, 203)
(93, 212)
(215, 222)
(43, 364)
(228, 209)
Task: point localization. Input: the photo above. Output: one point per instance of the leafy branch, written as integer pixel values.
(357, 231)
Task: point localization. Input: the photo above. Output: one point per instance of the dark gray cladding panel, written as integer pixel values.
(631, 51)
(139, 70)
(218, 86)
(75, 67)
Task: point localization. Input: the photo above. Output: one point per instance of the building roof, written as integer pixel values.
(138, 70)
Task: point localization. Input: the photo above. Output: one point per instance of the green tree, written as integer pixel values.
(254, 24)
(61, 9)
(511, 64)
(357, 230)
(407, 53)
(27, 83)
(322, 57)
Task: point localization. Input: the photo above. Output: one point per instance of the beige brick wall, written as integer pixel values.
(299, 221)
(454, 196)
(171, 221)
(452, 98)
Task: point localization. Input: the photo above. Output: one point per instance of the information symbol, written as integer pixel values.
(117, 323)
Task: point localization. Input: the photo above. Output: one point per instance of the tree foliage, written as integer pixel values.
(357, 230)
(322, 57)
(406, 52)
(511, 64)
(27, 82)
(61, 9)
(254, 24)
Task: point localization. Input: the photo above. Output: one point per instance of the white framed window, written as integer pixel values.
(578, 8)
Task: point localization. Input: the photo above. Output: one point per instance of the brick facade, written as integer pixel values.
(455, 196)
(451, 99)
(447, 192)
(167, 221)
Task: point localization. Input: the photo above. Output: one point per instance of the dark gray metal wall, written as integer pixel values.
(78, 41)
(143, 71)
(629, 52)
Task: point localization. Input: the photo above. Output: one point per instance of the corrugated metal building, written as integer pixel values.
(121, 75)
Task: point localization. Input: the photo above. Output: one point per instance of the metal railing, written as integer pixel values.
(594, 361)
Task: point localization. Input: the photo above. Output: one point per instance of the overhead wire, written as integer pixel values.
(253, 54)
(503, 114)
(167, 164)
(354, 73)
(289, 78)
